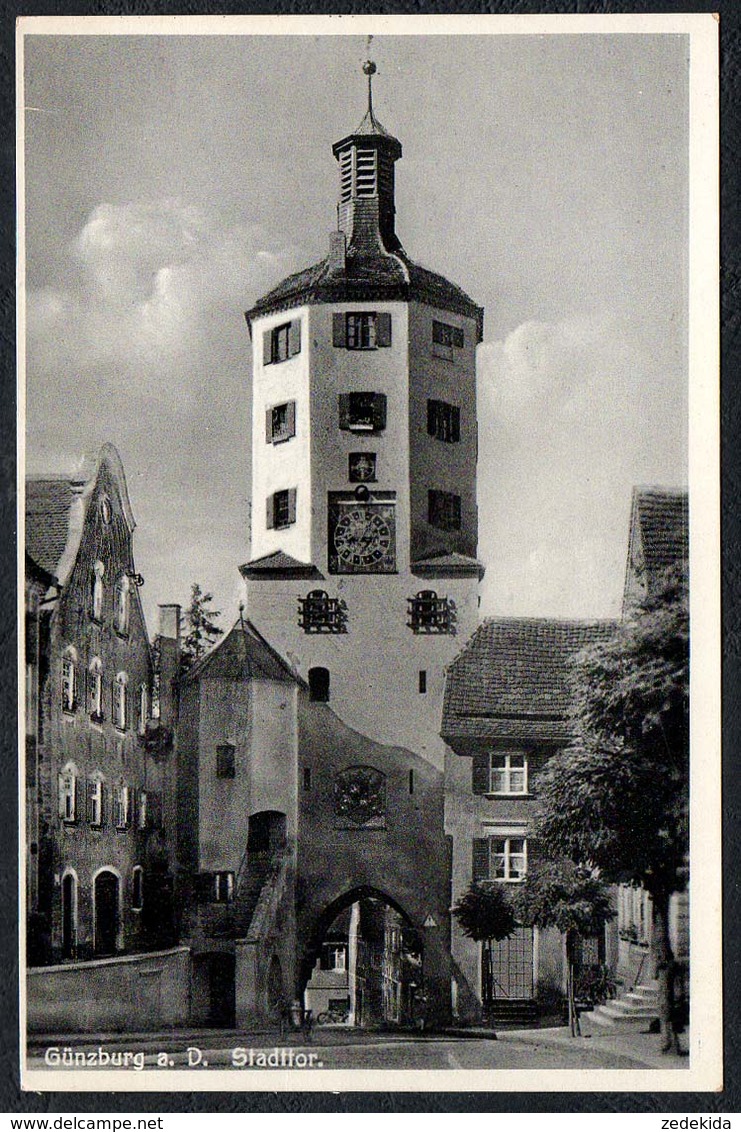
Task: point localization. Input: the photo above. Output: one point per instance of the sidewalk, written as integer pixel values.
(644, 1047)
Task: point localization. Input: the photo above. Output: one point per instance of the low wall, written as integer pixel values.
(132, 992)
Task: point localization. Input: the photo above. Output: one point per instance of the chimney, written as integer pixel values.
(337, 251)
(169, 662)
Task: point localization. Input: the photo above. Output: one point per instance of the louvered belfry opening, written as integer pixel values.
(366, 159)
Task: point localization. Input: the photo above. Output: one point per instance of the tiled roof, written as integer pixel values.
(370, 272)
(444, 565)
(371, 127)
(278, 563)
(514, 669)
(243, 654)
(48, 503)
(663, 519)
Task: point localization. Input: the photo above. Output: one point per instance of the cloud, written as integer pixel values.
(143, 281)
(572, 415)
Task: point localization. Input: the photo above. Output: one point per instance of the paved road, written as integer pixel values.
(398, 1053)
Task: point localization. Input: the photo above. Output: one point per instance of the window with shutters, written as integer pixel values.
(225, 767)
(95, 690)
(67, 793)
(320, 613)
(444, 510)
(508, 772)
(69, 680)
(137, 888)
(280, 422)
(444, 421)
(122, 806)
(446, 339)
(362, 412)
(500, 858)
(120, 701)
(281, 509)
(428, 613)
(95, 802)
(361, 330)
(282, 342)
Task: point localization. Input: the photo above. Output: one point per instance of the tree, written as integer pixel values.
(198, 627)
(563, 895)
(485, 914)
(618, 798)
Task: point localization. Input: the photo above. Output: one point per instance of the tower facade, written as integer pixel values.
(364, 527)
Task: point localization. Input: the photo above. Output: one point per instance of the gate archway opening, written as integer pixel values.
(364, 964)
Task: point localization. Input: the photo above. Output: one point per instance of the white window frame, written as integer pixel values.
(95, 673)
(69, 680)
(359, 325)
(504, 773)
(122, 806)
(98, 575)
(143, 709)
(507, 856)
(68, 793)
(120, 696)
(223, 887)
(137, 871)
(141, 813)
(123, 605)
(96, 798)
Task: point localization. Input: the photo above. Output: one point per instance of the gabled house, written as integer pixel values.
(97, 853)
(505, 713)
(658, 540)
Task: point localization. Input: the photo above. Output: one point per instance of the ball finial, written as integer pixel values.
(369, 68)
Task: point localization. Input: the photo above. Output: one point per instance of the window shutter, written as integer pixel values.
(267, 347)
(383, 329)
(76, 798)
(480, 859)
(269, 426)
(294, 338)
(292, 505)
(103, 804)
(480, 772)
(204, 886)
(379, 411)
(455, 423)
(431, 418)
(154, 810)
(90, 794)
(344, 406)
(291, 418)
(269, 513)
(60, 795)
(338, 330)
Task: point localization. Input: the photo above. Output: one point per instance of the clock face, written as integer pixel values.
(361, 537)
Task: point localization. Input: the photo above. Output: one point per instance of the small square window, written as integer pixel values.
(444, 421)
(362, 412)
(281, 509)
(280, 423)
(444, 510)
(225, 761)
(361, 331)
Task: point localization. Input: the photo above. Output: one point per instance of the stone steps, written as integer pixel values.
(635, 1009)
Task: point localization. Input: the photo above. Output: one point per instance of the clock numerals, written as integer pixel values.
(362, 539)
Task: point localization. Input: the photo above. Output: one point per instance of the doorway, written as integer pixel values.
(107, 887)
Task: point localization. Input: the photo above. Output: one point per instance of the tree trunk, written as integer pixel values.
(574, 1025)
(664, 968)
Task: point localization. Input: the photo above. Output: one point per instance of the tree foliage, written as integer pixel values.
(617, 798)
(485, 913)
(563, 895)
(198, 627)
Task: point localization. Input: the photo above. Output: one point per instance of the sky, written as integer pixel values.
(170, 181)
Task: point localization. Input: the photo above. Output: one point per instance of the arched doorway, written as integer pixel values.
(363, 966)
(106, 896)
(266, 831)
(69, 916)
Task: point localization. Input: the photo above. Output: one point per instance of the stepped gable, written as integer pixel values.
(515, 669)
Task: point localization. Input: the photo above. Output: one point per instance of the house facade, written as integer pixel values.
(506, 712)
(96, 844)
